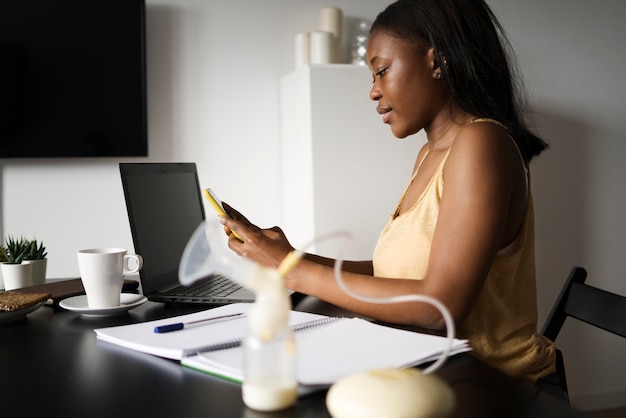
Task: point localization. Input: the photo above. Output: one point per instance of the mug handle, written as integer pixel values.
(138, 264)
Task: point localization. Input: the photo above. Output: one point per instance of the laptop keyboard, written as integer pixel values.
(217, 286)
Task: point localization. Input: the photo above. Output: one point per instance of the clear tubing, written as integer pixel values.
(445, 313)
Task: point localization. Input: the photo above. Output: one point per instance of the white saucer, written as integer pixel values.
(13, 315)
(79, 304)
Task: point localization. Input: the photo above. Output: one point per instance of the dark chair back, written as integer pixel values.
(586, 303)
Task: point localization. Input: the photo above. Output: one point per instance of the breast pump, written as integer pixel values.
(270, 381)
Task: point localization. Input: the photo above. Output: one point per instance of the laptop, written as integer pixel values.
(164, 204)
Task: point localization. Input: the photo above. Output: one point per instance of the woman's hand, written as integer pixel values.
(267, 247)
(236, 215)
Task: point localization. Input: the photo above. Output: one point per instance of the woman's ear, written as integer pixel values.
(438, 62)
(435, 63)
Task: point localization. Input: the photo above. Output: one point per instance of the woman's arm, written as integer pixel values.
(479, 214)
(361, 267)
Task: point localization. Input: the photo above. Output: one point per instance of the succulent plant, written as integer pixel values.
(15, 250)
(36, 251)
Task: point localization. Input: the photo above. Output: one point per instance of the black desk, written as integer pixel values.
(51, 364)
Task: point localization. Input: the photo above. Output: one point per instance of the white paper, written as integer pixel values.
(326, 353)
(141, 337)
(329, 352)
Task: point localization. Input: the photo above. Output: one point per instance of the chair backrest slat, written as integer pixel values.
(586, 303)
(597, 307)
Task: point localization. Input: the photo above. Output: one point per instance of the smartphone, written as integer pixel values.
(217, 205)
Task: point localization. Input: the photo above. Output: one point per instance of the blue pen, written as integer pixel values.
(180, 325)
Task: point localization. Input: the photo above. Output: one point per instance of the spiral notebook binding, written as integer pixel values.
(236, 342)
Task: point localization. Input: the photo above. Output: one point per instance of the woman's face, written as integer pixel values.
(405, 85)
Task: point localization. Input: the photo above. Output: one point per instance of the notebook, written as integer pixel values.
(328, 348)
(164, 205)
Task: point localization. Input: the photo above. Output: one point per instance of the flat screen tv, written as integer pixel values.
(72, 78)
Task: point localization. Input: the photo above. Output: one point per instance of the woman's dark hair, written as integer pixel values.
(475, 57)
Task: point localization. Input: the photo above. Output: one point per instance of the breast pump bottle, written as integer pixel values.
(270, 350)
(270, 382)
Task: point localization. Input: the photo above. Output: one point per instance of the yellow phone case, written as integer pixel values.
(217, 205)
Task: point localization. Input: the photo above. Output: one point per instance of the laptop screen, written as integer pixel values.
(164, 205)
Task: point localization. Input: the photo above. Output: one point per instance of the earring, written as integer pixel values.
(438, 75)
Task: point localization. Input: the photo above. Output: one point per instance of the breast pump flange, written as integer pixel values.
(270, 382)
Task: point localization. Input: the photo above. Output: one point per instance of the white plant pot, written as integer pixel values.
(16, 275)
(38, 275)
(1, 280)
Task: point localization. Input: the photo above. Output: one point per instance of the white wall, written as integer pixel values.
(213, 87)
(572, 55)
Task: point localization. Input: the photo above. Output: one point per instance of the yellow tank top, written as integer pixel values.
(502, 325)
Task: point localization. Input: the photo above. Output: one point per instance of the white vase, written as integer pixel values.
(38, 274)
(16, 275)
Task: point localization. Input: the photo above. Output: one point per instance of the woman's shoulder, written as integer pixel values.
(484, 143)
(486, 135)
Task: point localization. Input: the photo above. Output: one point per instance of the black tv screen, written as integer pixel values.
(72, 78)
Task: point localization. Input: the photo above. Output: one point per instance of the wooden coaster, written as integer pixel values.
(14, 301)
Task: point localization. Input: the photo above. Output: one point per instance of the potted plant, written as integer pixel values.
(3, 258)
(15, 273)
(36, 256)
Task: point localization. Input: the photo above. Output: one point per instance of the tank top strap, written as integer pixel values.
(396, 213)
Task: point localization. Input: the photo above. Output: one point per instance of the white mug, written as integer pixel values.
(102, 272)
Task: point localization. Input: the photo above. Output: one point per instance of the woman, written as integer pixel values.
(463, 230)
